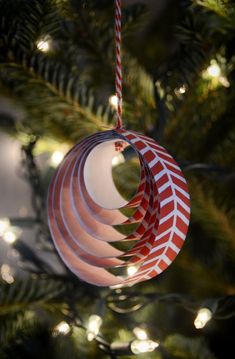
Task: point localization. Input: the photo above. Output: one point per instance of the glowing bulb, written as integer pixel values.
(113, 101)
(182, 89)
(224, 81)
(214, 70)
(8, 233)
(143, 346)
(118, 159)
(9, 236)
(44, 44)
(4, 225)
(93, 327)
(140, 333)
(203, 316)
(56, 158)
(62, 328)
(6, 274)
(131, 270)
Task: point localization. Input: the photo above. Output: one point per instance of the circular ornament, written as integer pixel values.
(84, 206)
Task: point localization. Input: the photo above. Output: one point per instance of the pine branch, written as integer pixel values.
(28, 21)
(43, 70)
(213, 230)
(58, 98)
(21, 295)
(193, 34)
(196, 116)
(214, 149)
(213, 217)
(190, 348)
(96, 46)
(191, 55)
(133, 17)
(223, 8)
(72, 87)
(11, 323)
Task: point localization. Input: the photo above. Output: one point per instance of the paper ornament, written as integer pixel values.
(84, 206)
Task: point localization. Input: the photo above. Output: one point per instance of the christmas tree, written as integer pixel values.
(57, 75)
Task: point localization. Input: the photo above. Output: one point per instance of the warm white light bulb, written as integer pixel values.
(93, 326)
(131, 270)
(143, 346)
(118, 159)
(140, 333)
(214, 70)
(62, 328)
(56, 158)
(44, 44)
(203, 316)
(4, 225)
(9, 236)
(113, 101)
(182, 89)
(6, 274)
(224, 81)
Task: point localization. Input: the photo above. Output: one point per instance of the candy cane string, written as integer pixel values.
(118, 75)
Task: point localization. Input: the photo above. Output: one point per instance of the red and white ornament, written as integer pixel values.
(83, 207)
(84, 204)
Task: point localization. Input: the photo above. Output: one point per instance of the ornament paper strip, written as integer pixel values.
(84, 205)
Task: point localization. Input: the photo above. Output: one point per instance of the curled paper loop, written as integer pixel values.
(84, 206)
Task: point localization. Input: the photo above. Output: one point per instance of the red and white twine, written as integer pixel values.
(118, 75)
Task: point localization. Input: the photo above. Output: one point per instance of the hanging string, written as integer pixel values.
(118, 75)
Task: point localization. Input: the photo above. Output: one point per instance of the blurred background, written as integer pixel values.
(57, 66)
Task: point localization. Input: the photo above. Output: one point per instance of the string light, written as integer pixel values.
(8, 233)
(93, 326)
(213, 70)
(131, 270)
(9, 236)
(143, 346)
(203, 316)
(62, 328)
(56, 158)
(118, 291)
(224, 81)
(118, 159)
(182, 89)
(44, 44)
(140, 333)
(6, 274)
(113, 101)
